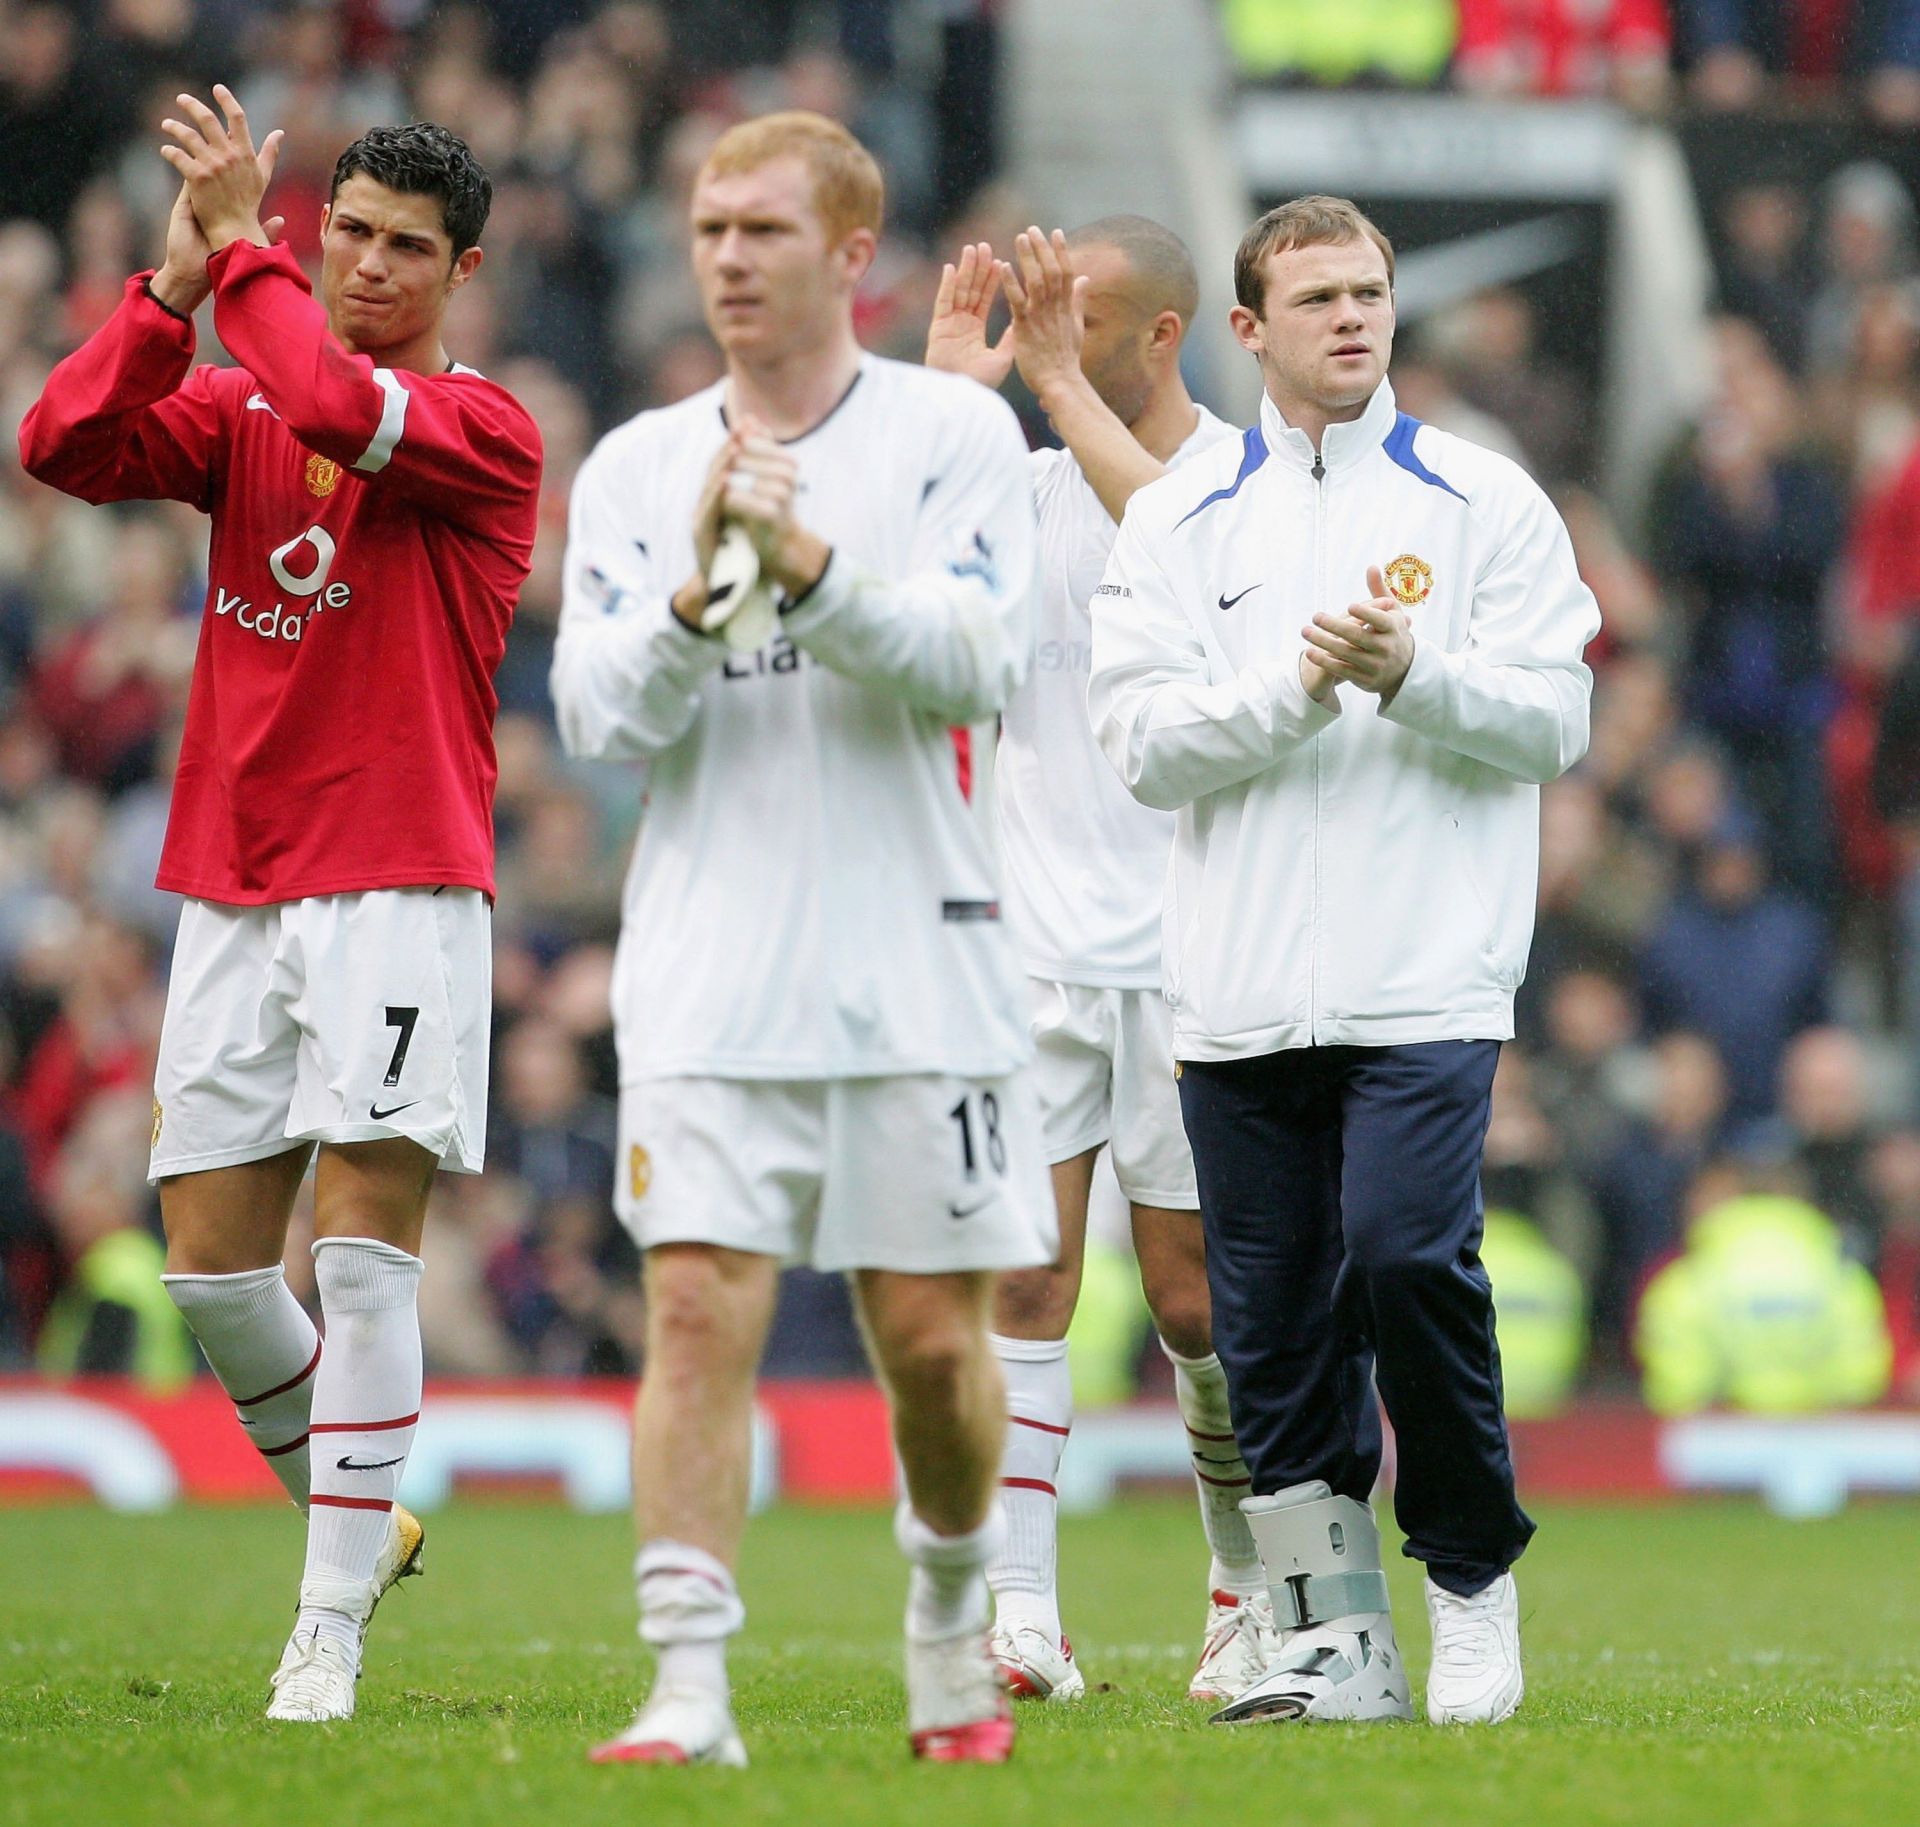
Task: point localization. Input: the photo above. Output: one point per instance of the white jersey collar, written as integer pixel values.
(1343, 445)
(1208, 428)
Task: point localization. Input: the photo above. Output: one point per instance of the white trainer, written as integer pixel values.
(1475, 1677)
(1035, 1665)
(683, 1725)
(316, 1676)
(957, 1706)
(315, 1679)
(1239, 1643)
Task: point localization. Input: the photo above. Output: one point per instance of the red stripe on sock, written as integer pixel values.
(687, 1573)
(274, 1452)
(1227, 1484)
(1198, 1435)
(363, 1427)
(1042, 1427)
(1032, 1484)
(352, 1503)
(280, 1389)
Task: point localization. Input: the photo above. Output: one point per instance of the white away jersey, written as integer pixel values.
(1086, 863)
(811, 896)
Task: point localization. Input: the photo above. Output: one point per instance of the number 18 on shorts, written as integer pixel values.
(922, 1172)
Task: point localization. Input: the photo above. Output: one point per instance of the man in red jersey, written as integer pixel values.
(373, 510)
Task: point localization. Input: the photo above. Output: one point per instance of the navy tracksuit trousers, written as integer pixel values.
(1340, 1194)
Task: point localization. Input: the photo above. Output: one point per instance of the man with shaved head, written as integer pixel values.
(1098, 318)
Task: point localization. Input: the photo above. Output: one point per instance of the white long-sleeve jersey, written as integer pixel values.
(1086, 863)
(1363, 874)
(811, 894)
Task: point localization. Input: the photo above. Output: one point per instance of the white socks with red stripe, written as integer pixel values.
(1219, 1473)
(366, 1402)
(946, 1595)
(689, 1607)
(264, 1350)
(1024, 1573)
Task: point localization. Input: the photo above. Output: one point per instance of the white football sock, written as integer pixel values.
(689, 1607)
(366, 1403)
(1024, 1575)
(264, 1350)
(1219, 1473)
(946, 1589)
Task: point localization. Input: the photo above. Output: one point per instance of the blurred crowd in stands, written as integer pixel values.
(1725, 994)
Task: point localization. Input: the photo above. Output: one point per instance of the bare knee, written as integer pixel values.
(1037, 1303)
(931, 1373)
(699, 1313)
(229, 1220)
(1184, 1318)
(192, 1252)
(374, 1189)
(1173, 1276)
(927, 1335)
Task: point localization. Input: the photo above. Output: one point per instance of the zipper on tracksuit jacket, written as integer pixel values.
(1313, 921)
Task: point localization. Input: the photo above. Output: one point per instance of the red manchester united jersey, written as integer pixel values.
(371, 530)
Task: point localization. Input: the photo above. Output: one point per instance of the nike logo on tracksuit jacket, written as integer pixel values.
(1364, 874)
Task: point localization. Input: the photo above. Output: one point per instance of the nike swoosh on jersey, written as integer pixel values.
(380, 1116)
(979, 1205)
(1227, 602)
(257, 403)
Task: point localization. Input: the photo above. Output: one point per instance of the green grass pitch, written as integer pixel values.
(1698, 1663)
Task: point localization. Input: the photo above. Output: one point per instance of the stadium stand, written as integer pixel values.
(1725, 1000)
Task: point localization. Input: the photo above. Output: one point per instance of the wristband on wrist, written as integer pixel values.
(693, 628)
(146, 285)
(788, 604)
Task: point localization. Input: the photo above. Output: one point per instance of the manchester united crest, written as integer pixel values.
(1410, 579)
(639, 1171)
(323, 476)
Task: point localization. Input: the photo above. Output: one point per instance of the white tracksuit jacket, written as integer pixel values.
(810, 896)
(1362, 875)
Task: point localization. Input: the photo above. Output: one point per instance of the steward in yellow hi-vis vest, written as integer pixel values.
(1539, 1316)
(1764, 1311)
(114, 1317)
(1409, 40)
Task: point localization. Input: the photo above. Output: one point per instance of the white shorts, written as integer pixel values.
(344, 1018)
(925, 1173)
(1103, 1067)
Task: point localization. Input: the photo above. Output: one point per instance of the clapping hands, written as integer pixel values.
(1047, 302)
(223, 181)
(957, 337)
(1370, 646)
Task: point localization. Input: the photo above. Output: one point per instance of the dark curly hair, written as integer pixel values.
(422, 160)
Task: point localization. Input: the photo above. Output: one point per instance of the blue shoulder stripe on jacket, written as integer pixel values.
(1399, 446)
(1253, 453)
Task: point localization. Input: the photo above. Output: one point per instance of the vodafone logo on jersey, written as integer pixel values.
(313, 549)
(300, 568)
